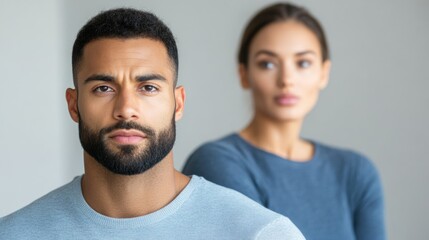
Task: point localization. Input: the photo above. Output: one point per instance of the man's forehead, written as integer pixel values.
(133, 46)
(110, 55)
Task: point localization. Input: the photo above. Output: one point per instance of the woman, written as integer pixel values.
(329, 193)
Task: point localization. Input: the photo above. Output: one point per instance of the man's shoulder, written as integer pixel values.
(231, 208)
(215, 194)
(45, 211)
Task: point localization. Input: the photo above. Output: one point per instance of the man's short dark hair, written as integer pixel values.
(124, 23)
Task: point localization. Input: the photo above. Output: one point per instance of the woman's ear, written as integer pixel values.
(244, 80)
(326, 70)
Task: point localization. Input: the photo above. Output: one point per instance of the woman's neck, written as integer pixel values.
(281, 138)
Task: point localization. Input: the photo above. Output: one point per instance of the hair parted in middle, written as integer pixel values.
(276, 13)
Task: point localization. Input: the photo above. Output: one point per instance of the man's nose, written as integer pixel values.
(126, 106)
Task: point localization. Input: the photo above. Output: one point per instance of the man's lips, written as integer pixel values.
(286, 99)
(127, 136)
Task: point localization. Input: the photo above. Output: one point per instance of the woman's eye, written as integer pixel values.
(304, 64)
(149, 88)
(103, 89)
(266, 65)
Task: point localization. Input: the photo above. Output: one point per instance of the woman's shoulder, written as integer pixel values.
(357, 171)
(344, 157)
(211, 150)
(228, 144)
(220, 161)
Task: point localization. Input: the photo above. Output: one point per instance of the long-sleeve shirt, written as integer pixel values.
(336, 195)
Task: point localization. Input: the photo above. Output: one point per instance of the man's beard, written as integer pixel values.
(128, 159)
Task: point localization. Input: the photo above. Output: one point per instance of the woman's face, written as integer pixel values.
(285, 71)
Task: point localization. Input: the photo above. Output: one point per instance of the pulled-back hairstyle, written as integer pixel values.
(276, 13)
(124, 23)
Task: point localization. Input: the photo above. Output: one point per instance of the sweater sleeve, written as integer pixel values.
(369, 208)
(224, 166)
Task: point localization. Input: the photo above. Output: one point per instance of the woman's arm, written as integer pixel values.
(369, 212)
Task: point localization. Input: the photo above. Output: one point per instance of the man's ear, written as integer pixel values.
(179, 95)
(244, 80)
(326, 70)
(71, 97)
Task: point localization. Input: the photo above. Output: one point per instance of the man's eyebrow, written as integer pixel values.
(99, 77)
(108, 78)
(148, 77)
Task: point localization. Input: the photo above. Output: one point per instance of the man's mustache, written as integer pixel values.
(129, 125)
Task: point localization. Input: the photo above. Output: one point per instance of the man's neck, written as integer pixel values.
(121, 196)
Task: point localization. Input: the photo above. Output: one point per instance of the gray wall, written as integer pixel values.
(32, 107)
(376, 101)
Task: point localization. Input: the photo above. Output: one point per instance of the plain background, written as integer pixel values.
(376, 102)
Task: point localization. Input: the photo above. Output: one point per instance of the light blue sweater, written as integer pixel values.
(203, 210)
(336, 195)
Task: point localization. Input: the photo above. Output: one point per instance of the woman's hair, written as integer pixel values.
(276, 13)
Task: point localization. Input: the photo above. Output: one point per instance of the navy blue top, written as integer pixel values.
(335, 195)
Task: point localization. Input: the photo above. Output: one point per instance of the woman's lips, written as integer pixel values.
(286, 99)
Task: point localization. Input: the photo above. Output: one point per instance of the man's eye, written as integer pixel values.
(149, 88)
(304, 64)
(103, 89)
(266, 65)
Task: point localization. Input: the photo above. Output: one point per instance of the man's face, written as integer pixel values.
(126, 104)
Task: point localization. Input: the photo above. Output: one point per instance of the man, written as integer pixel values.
(126, 102)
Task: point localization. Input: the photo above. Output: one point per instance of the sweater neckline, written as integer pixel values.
(135, 222)
(314, 159)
